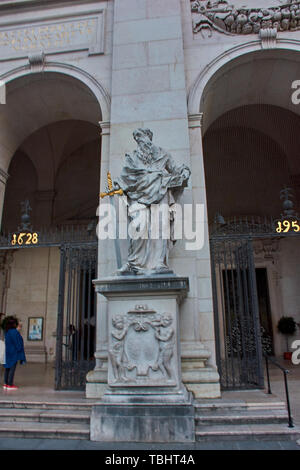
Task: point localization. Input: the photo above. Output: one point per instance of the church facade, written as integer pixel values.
(217, 84)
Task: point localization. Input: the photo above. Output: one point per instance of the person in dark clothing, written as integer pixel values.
(14, 352)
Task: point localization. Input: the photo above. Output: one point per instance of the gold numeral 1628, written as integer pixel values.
(26, 238)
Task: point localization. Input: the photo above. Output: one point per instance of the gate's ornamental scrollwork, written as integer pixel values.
(220, 16)
(142, 341)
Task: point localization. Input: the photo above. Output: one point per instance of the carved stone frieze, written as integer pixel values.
(142, 344)
(219, 15)
(52, 34)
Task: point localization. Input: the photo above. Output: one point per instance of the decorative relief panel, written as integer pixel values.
(223, 17)
(71, 33)
(267, 248)
(142, 348)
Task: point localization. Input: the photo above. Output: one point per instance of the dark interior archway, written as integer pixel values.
(250, 154)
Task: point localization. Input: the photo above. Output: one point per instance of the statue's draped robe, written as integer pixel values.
(147, 182)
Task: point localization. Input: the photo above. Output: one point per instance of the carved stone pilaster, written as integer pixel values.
(195, 120)
(105, 127)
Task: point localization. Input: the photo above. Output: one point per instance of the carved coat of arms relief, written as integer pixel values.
(142, 348)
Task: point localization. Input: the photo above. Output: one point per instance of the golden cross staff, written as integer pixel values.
(111, 193)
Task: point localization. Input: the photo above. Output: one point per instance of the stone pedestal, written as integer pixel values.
(143, 423)
(145, 400)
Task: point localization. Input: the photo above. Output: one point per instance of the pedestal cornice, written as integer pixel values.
(151, 285)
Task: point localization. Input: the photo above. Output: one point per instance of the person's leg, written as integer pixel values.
(6, 376)
(11, 374)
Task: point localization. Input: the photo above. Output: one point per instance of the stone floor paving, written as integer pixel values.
(70, 444)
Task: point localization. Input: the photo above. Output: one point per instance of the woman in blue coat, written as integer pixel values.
(14, 352)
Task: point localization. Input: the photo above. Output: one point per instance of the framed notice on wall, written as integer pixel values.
(35, 328)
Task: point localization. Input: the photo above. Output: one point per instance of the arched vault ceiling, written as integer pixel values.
(264, 77)
(51, 145)
(250, 153)
(37, 100)
(244, 172)
(280, 125)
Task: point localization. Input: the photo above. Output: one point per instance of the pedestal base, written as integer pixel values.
(95, 390)
(143, 423)
(198, 377)
(145, 400)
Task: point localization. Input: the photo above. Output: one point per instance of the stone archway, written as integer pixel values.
(214, 76)
(47, 97)
(58, 148)
(250, 151)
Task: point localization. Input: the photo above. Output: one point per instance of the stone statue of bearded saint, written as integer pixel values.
(149, 177)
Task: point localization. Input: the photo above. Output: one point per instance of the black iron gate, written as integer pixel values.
(76, 322)
(237, 325)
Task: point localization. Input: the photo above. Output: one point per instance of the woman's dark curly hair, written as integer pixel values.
(9, 322)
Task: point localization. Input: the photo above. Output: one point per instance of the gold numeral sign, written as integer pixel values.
(24, 238)
(287, 226)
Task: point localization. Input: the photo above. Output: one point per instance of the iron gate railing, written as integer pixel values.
(76, 321)
(237, 326)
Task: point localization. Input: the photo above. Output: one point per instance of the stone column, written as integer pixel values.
(199, 370)
(97, 378)
(149, 90)
(3, 179)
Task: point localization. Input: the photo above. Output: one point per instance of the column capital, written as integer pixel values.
(105, 127)
(3, 176)
(195, 120)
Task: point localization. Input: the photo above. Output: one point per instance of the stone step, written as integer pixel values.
(242, 417)
(31, 430)
(230, 407)
(52, 420)
(44, 415)
(74, 406)
(247, 432)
